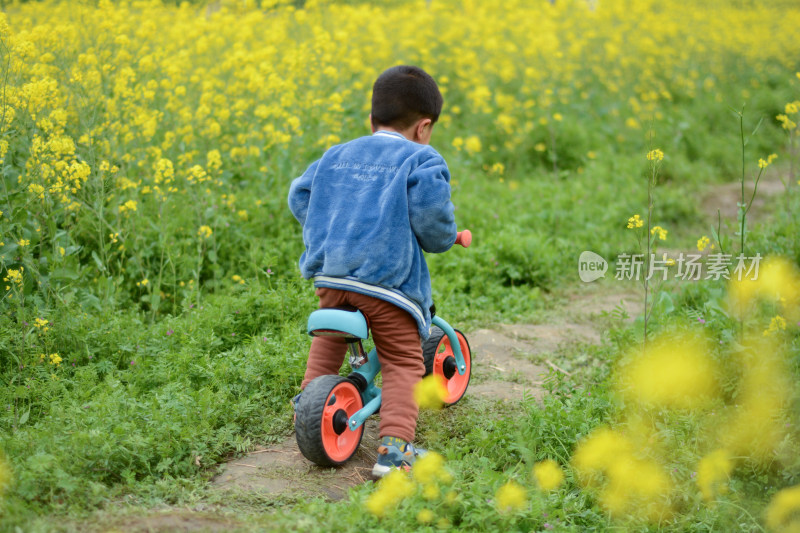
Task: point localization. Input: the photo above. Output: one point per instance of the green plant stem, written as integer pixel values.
(741, 206)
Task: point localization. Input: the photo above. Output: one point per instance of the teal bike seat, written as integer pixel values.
(349, 324)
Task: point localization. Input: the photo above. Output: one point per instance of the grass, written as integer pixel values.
(161, 381)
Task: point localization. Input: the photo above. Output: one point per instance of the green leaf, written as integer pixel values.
(665, 303)
(64, 273)
(100, 266)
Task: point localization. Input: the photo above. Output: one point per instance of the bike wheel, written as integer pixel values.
(321, 428)
(441, 361)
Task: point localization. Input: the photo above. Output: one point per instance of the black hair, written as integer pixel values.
(404, 94)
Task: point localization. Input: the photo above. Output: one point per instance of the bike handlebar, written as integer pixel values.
(464, 238)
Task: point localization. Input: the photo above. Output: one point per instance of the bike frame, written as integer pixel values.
(370, 369)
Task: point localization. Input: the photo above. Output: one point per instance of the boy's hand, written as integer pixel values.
(464, 238)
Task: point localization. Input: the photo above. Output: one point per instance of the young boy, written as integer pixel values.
(369, 208)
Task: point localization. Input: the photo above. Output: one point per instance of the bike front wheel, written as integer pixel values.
(440, 360)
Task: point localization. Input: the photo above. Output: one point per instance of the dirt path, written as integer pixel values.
(510, 361)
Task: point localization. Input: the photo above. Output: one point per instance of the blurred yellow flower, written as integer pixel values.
(392, 489)
(702, 243)
(783, 511)
(674, 373)
(786, 122)
(548, 474)
(472, 144)
(430, 469)
(655, 155)
(130, 205)
(713, 473)
(778, 323)
(205, 232)
(498, 168)
(425, 516)
(510, 497)
(430, 392)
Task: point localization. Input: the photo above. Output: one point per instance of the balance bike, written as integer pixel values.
(331, 411)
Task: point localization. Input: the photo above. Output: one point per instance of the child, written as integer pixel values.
(369, 208)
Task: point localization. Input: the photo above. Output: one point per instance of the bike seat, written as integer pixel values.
(336, 322)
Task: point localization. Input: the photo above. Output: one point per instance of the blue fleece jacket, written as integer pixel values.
(369, 208)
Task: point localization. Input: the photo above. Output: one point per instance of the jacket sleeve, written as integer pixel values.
(300, 193)
(429, 207)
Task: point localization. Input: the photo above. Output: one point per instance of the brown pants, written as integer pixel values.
(399, 351)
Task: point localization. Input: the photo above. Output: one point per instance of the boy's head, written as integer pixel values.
(403, 95)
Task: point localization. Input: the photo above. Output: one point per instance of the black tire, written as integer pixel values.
(320, 414)
(439, 342)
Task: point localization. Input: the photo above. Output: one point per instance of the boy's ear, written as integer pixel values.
(423, 130)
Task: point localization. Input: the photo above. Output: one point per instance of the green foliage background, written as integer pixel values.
(160, 382)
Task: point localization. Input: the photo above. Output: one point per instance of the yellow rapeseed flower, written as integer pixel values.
(392, 489)
(430, 469)
(14, 276)
(764, 163)
(702, 243)
(786, 122)
(55, 359)
(635, 222)
(548, 474)
(655, 155)
(204, 232)
(674, 373)
(783, 511)
(713, 473)
(778, 323)
(129, 206)
(757, 424)
(660, 232)
(510, 497)
(430, 392)
(472, 144)
(24, 242)
(425, 516)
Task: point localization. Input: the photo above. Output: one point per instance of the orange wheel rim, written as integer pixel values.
(457, 384)
(340, 446)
